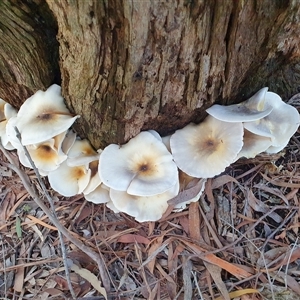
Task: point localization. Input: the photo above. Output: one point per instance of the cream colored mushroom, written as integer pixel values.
(142, 167)
(206, 149)
(143, 208)
(43, 116)
(69, 181)
(8, 112)
(279, 125)
(255, 108)
(99, 195)
(81, 153)
(47, 156)
(253, 145)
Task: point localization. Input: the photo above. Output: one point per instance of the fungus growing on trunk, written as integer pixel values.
(279, 125)
(254, 108)
(142, 167)
(143, 208)
(206, 149)
(43, 116)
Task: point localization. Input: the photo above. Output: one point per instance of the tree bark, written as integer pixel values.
(128, 66)
(29, 49)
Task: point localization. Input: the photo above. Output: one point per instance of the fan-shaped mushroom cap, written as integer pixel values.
(155, 133)
(143, 209)
(279, 125)
(206, 149)
(166, 141)
(43, 116)
(98, 195)
(8, 113)
(252, 109)
(95, 180)
(68, 141)
(82, 153)
(69, 181)
(47, 156)
(253, 145)
(142, 167)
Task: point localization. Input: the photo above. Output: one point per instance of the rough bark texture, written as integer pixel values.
(128, 66)
(134, 65)
(28, 49)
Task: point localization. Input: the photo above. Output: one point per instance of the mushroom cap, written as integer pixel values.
(68, 141)
(252, 109)
(142, 167)
(143, 208)
(11, 133)
(43, 116)
(155, 133)
(253, 145)
(95, 180)
(69, 181)
(166, 141)
(206, 149)
(47, 156)
(98, 195)
(82, 153)
(9, 112)
(279, 125)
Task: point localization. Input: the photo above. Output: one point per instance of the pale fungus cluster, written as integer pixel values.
(141, 176)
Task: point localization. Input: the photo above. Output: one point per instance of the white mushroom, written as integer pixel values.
(142, 167)
(81, 153)
(206, 149)
(253, 145)
(9, 112)
(98, 195)
(68, 141)
(47, 156)
(279, 125)
(95, 180)
(166, 141)
(43, 116)
(69, 181)
(255, 108)
(143, 208)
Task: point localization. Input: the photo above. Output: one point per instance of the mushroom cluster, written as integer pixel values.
(141, 176)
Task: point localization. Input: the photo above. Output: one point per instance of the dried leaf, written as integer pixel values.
(133, 238)
(18, 227)
(90, 277)
(188, 194)
(156, 244)
(19, 277)
(38, 221)
(211, 258)
(194, 221)
(221, 180)
(259, 206)
(239, 293)
(290, 281)
(215, 272)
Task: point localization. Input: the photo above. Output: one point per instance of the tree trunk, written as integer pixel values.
(28, 49)
(128, 66)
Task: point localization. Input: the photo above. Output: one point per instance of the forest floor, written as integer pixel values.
(240, 241)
